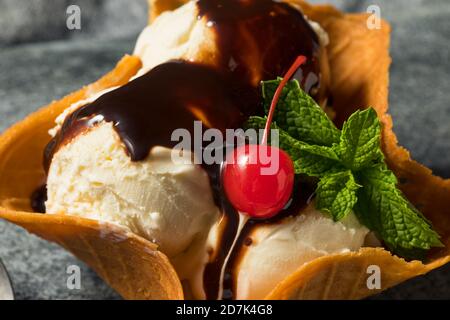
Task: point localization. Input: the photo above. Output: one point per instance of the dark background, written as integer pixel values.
(41, 60)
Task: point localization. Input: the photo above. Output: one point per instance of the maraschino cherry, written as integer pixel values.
(247, 185)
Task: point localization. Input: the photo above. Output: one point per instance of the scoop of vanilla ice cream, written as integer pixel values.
(93, 177)
(169, 204)
(177, 34)
(180, 34)
(279, 250)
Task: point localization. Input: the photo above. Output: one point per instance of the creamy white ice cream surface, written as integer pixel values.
(279, 250)
(171, 205)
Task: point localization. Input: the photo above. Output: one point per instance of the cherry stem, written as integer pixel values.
(298, 62)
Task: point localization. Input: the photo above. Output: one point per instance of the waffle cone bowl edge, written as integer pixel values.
(359, 62)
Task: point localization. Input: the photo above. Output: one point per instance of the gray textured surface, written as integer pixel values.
(23, 21)
(33, 74)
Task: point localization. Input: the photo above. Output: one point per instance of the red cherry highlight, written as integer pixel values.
(249, 189)
(258, 179)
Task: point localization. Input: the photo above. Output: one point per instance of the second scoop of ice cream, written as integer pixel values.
(277, 251)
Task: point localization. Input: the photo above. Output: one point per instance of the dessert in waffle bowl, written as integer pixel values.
(110, 192)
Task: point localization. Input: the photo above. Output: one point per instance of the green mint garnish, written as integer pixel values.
(383, 207)
(297, 114)
(359, 144)
(336, 194)
(350, 167)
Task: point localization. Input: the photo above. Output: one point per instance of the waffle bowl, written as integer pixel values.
(359, 60)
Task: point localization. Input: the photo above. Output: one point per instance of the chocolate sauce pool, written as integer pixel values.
(258, 40)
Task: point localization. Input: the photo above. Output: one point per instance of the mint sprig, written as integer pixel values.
(350, 167)
(297, 114)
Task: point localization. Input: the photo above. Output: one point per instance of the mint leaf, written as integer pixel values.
(314, 161)
(336, 194)
(359, 145)
(299, 115)
(314, 166)
(383, 208)
(322, 151)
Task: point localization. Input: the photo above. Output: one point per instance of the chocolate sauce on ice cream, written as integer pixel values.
(258, 40)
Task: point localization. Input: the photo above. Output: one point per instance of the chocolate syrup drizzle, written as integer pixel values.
(258, 40)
